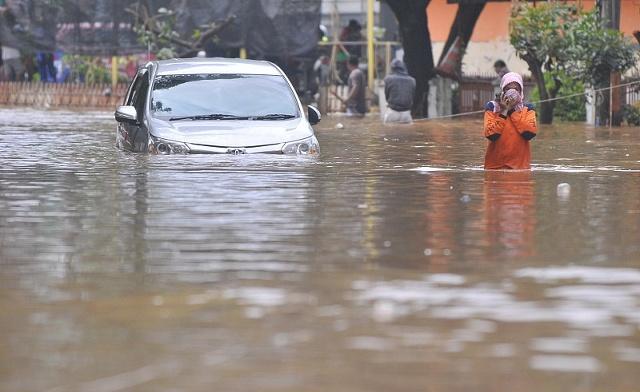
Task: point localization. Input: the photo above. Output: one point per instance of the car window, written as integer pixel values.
(135, 88)
(130, 90)
(229, 94)
(141, 96)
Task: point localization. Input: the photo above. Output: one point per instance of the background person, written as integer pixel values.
(355, 101)
(509, 124)
(399, 89)
(501, 69)
(352, 33)
(12, 70)
(322, 70)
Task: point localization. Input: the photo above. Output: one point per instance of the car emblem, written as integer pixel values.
(236, 151)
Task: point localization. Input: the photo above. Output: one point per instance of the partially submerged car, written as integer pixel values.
(214, 105)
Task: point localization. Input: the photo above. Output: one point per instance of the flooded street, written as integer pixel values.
(392, 262)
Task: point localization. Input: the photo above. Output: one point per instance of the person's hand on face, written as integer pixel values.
(506, 102)
(510, 96)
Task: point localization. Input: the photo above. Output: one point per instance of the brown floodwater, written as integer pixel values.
(392, 262)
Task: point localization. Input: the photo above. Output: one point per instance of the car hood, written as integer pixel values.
(232, 133)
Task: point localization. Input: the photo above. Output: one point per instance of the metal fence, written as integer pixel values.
(631, 93)
(472, 95)
(384, 52)
(474, 92)
(61, 95)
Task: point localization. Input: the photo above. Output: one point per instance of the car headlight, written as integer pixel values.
(308, 146)
(166, 147)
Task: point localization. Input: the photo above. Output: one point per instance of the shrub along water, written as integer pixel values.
(631, 114)
(568, 109)
(558, 40)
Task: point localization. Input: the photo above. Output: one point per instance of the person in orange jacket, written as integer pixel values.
(509, 124)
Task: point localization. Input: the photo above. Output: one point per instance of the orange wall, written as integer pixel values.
(494, 21)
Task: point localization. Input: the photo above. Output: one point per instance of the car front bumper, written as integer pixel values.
(268, 149)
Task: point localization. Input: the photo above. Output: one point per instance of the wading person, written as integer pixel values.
(509, 124)
(350, 33)
(355, 101)
(399, 88)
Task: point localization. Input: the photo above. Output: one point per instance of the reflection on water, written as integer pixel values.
(510, 210)
(393, 256)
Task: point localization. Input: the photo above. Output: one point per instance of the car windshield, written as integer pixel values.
(222, 97)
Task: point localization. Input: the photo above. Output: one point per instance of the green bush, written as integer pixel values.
(631, 114)
(554, 37)
(568, 109)
(87, 69)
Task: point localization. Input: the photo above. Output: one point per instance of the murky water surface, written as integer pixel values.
(390, 263)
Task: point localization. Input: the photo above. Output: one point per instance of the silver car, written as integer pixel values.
(215, 105)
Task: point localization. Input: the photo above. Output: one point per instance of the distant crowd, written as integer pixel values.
(56, 67)
(27, 67)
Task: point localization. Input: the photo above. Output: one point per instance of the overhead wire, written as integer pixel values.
(533, 102)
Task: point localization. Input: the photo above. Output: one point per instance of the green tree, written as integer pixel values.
(537, 35)
(568, 109)
(593, 52)
(157, 30)
(558, 39)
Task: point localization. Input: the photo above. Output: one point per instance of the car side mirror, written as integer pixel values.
(127, 114)
(313, 114)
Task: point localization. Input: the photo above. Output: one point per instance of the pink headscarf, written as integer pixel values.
(506, 79)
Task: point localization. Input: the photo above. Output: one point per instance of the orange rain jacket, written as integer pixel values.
(509, 138)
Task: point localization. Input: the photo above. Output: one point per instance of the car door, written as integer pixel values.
(135, 137)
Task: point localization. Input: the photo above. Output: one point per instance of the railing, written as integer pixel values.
(61, 95)
(474, 92)
(384, 52)
(631, 94)
(328, 100)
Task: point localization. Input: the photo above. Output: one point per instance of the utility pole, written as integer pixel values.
(116, 9)
(370, 47)
(608, 110)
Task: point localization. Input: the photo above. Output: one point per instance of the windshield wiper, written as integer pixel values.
(215, 116)
(274, 116)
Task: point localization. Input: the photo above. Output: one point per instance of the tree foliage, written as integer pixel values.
(537, 35)
(158, 31)
(569, 109)
(557, 39)
(593, 52)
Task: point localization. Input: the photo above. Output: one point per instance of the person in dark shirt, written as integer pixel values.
(501, 69)
(399, 89)
(355, 101)
(352, 33)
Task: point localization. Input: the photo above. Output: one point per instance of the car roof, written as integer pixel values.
(215, 66)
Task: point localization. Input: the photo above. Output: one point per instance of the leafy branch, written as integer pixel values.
(158, 31)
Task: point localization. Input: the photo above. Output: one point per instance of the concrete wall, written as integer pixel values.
(480, 57)
(490, 39)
